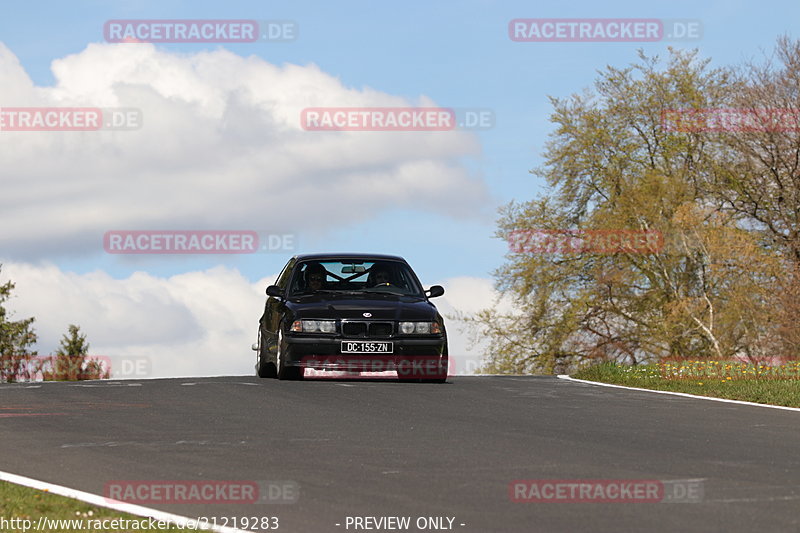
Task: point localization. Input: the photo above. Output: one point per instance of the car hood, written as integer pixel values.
(353, 306)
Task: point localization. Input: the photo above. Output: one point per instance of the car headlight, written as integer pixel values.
(327, 326)
(406, 327)
(314, 326)
(420, 328)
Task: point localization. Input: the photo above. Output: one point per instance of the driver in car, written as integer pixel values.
(315, 275)
(380, 276)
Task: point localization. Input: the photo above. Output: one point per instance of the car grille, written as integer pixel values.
(366, 329)
(380, 329)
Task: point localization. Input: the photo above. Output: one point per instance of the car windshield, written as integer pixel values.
(354, 276)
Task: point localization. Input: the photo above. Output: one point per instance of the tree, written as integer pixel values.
(70, 361)
(15, 340)
(757, 176)
(757, 170)
(611, 164)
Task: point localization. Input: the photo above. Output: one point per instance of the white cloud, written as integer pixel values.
(191, 324)
(466, 295)
(221, 147)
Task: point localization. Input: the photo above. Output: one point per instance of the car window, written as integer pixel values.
(391, 277)
(283, 277)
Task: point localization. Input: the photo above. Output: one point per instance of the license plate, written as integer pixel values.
(366, 347)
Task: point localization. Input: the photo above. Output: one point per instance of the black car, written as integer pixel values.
(353, 313)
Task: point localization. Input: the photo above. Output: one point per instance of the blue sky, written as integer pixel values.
(456, 54)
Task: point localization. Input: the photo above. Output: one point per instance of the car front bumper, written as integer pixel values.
(410, 356)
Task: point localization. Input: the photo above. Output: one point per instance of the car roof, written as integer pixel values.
(365, 257)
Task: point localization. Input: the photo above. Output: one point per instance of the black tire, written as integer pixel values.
(442, 377)
(264, 367)
(445, 362)
(289, 373)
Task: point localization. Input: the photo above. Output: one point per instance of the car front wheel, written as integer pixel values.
(286, 372)
(264, 368)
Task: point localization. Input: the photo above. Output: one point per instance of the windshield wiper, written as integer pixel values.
(373, 291)
(320, 291)
(329, 291)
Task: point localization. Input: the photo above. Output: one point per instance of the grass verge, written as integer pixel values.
(21, 508)
(720, 379)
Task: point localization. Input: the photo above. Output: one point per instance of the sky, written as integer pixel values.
(217, 143)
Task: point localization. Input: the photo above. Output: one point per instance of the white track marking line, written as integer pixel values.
(685, 394)
(101, 501)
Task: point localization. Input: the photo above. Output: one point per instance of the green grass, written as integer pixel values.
(718, 379)
(21, 502)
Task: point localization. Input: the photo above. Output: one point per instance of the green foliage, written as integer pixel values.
(73, 344)
(18, 502)
(771, 391)
(16, 337)
(612, 165)
(19, 363)
(70, 361)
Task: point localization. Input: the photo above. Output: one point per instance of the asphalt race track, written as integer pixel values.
(381, 449)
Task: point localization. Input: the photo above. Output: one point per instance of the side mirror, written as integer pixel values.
(274, 291)
(434, 291)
